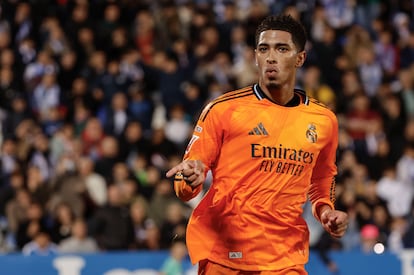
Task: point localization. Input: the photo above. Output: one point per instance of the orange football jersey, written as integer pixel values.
(266, 160)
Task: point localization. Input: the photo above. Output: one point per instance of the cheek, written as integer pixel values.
(290, 63)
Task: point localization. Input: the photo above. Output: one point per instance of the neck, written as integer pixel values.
(280, 95)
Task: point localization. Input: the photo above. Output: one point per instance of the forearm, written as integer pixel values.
(322, 195)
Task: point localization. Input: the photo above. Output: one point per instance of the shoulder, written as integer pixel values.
(318, 107)
(226, 100)
(320, 113)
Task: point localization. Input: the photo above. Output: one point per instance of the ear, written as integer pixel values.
(300, 59)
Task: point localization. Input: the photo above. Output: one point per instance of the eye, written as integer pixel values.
(283, 49)
(262, 49)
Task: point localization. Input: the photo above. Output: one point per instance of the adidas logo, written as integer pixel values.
(259, 130)
(235, 255)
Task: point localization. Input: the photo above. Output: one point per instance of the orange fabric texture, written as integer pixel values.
(266, 160)
(210, 268)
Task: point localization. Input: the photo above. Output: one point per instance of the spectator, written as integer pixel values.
(46, 95)
(168, 76)
(404, 171)
(359, 122)
(408, 232)
(409, 132)
(145, 34)
(108, 24)
(40, 246)
(395, 192)
(161, 148)
(63, 220)
(85, 47)
(313, 85)
(34, 223)
(173, 265)
(351, 86)
(133, 142)
(120, 173)
(144, 227)
(140, 107)
(394, 119)
(37, 186)
(78, 19)
(194, 98)
(108, 157)
(173, 225)
(130, 68)
(39, 156)
(64, 144)
(406, 80)
(67, 187)
(55, 42)
(119, 42)
(22, 25)
(386, 52)
(109, 82)
(33, 75)
(325, 53)
(382, 219)
(79, 241)
(19, 111)
(339, 15)
(146, 175)
(8, 160)
(69, 67)
(9, 190)
(369, 237)
(95, 183)
(8, 87)
(178, 128)
(111, 224)
(17, 210)
(91, 138)
(369, 70)
(161, 198)
(405, 39)
(244, 70)
(79, 96)
(115, 118)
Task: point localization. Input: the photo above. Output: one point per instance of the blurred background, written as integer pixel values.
(98, 99)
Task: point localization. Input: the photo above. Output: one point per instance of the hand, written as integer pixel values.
(335, 222)
(192, 171)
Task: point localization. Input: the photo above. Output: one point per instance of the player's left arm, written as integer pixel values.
(335, 222)
(322, 189)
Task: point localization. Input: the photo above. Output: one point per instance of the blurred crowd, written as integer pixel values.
(98, 99)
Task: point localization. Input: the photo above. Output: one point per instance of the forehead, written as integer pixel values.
(275, 36)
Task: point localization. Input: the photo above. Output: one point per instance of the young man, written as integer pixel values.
(269, 148)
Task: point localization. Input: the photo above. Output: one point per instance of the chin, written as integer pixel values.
(272, 85)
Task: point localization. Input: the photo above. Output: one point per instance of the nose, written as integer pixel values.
(271, 57)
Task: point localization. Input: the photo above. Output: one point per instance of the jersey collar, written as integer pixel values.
(300, 96)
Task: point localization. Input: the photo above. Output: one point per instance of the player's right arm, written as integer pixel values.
(200, 154)
(189, 176)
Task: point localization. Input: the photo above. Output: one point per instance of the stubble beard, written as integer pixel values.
(272, 85)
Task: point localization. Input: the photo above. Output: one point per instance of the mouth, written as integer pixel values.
(271, 72)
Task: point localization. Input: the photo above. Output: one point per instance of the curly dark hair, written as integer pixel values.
(284, 23)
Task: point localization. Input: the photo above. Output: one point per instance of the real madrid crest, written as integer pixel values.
(311, 134)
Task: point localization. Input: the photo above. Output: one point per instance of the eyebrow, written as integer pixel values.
(276, 45)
